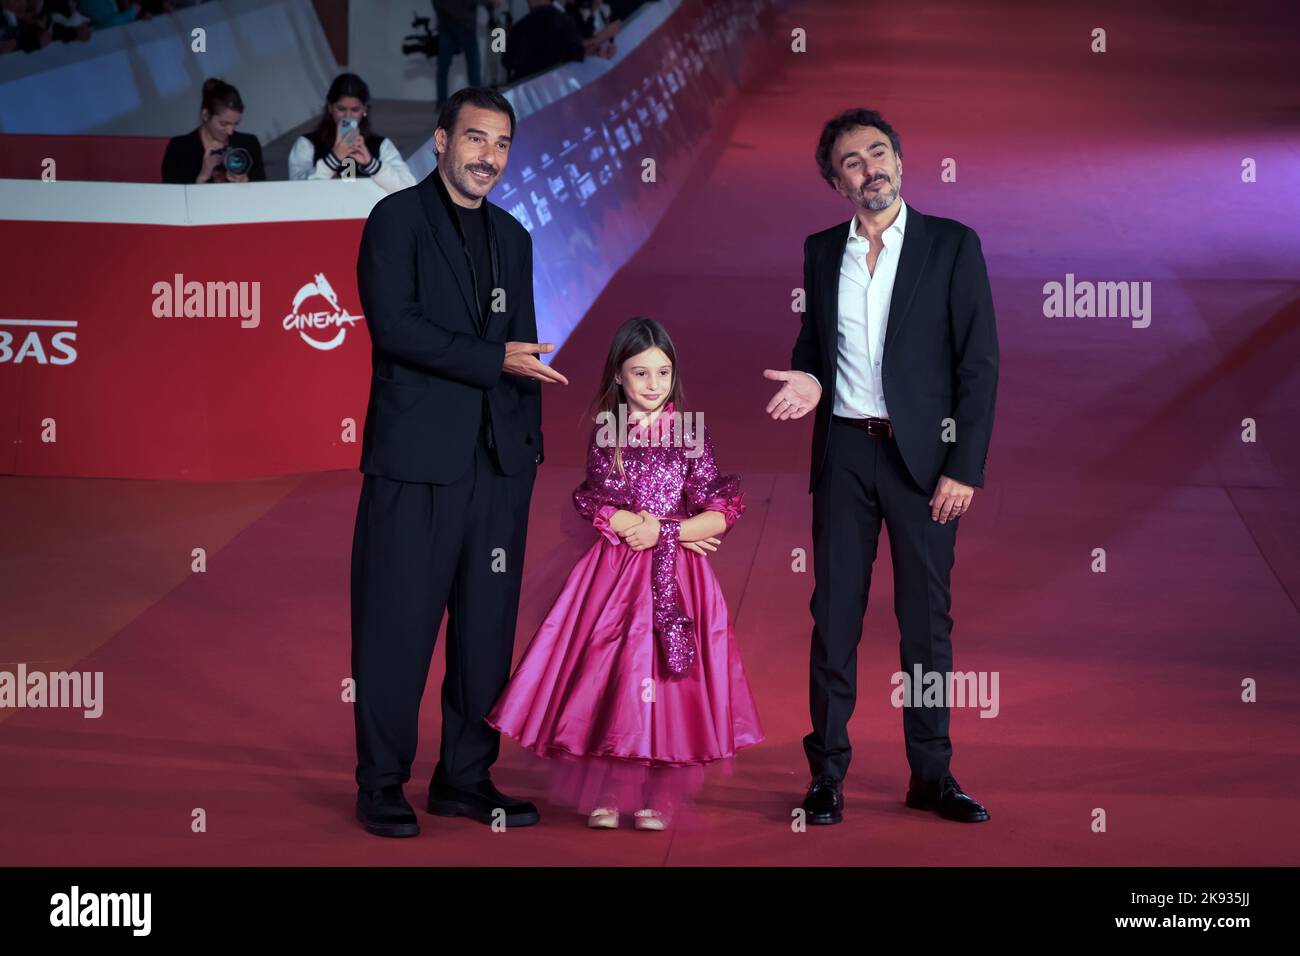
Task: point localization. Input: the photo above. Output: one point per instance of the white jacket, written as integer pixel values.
(388, 170)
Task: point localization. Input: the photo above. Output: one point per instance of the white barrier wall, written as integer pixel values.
(30, 200)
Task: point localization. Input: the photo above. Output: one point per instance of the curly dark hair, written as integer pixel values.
(842, 123)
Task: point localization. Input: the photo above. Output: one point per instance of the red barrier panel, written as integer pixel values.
(101, 159)
(70, 348)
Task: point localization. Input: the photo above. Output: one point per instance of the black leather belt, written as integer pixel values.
(875, 427)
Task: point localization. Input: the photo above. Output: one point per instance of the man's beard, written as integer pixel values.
(879, 202)
(467, 181)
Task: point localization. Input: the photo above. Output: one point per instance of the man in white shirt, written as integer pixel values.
(864, 297)
(899, 317)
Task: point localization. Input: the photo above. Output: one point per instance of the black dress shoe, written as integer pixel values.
(947, 799)
(824, 802)
(480, 803)
(385, 812)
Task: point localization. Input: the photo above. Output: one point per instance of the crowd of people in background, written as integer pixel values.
(552, 32)
(343, 144)
(28, 25)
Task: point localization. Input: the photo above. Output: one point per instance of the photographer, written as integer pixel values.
(214, 152)
(344, 135)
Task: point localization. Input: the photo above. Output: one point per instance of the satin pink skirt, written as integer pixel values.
(593, 695)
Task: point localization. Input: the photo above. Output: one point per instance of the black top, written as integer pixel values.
(184, 157)
(546, 37)
(473, 224)
(472, 227)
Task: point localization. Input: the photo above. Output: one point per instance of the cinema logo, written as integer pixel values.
(75, 908)
(946, 689)
(1102, 300)
(308, 314)
(82, 690)
(40, 344)
(208, 300)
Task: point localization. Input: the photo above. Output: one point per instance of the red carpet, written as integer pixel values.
(1119, 691)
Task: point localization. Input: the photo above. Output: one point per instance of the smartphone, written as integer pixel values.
(348, 127)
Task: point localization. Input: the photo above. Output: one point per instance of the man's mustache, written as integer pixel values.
(482, 169)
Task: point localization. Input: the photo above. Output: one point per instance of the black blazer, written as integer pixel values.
(941, 347)
(432, 356)
(184, 157)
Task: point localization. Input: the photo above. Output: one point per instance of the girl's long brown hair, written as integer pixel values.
(636, 335)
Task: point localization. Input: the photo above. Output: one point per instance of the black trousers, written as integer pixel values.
(863, 483)
(419, 549)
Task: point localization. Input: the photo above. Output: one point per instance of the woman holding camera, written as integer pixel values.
(215, 153)
(343, 144)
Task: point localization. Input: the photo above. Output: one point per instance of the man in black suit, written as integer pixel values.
(450, 450)
(898, 320)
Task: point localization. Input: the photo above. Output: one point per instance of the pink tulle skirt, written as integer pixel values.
(592, 694)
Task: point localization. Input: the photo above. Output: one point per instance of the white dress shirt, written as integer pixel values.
(862, 317)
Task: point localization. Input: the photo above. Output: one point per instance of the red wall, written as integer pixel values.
(106, 159)
(199, 398)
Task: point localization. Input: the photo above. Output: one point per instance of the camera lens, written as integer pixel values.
(237, 161)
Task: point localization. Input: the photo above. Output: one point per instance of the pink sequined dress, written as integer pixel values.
(633, 683)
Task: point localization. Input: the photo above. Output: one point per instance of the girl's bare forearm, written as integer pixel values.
(706, 524)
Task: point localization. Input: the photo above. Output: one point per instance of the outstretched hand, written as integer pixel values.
(799, 394)
(521, 359)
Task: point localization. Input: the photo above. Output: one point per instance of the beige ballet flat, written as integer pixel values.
(648, 820)
(603, 818)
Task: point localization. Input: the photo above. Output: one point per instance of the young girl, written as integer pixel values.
(633, 683)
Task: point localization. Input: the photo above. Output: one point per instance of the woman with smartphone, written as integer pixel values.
(344, 145)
